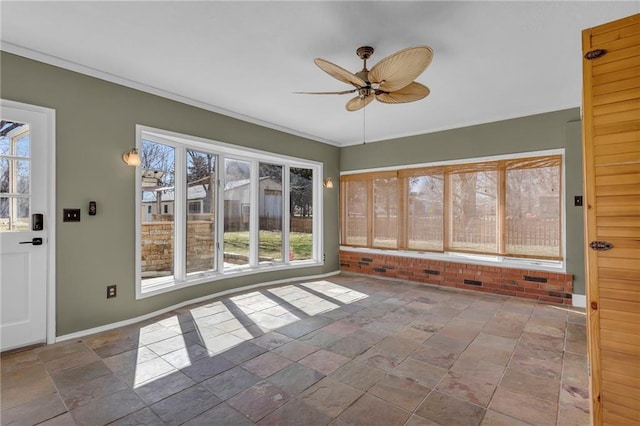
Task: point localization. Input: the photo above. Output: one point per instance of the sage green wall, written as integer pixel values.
(560, 129)
(575, 215)
(95, 124)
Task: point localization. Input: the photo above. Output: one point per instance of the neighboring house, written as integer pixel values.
(237, 200)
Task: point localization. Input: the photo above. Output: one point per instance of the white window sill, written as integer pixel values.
(475, 259)
(155, 286)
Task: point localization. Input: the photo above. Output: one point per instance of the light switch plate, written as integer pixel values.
(71, 215)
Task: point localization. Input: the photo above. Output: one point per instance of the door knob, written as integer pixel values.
(34, 241)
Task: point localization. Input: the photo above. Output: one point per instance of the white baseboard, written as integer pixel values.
(130, 321)
(579, 300)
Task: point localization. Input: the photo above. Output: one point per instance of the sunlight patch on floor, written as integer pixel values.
(178, 341)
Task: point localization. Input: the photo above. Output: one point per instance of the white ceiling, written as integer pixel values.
(492, 61)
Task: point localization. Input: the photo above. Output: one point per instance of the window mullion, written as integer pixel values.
(502, 209)
(343, 210)
(216, 205)
(317, 193)
(403, 201)
(370, 212)
(138, 220)
(286, 213)
(561, 207)
(254, 214)
(220, 195)
(180, 215)
(446, 211)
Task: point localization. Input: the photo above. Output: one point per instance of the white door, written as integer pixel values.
(25, 191)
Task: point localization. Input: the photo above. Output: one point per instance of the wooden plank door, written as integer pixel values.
(611, 140)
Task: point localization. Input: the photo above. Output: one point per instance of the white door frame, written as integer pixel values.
(50, 219)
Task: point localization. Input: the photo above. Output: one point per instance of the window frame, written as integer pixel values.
(13, 195)
(284, 245)
(404, 176)
(182, 143)
(194, 203)
(447, 253)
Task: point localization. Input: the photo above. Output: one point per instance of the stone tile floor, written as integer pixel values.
(348, 350)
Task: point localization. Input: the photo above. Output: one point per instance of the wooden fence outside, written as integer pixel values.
(542, 232)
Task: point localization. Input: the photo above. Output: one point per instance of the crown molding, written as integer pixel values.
(112, 78)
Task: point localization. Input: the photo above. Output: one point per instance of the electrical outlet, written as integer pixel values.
(111, 291)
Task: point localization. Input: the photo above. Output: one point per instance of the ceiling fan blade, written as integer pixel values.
(339, 73)
(412, 92)
(342, 92)
(398, 70)
(357, 103)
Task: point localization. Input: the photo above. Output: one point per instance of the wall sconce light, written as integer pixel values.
(131, 157)
(328, 183)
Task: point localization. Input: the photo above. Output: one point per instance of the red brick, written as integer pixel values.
(527, 296)
(550, 299)
(559, 288)
(498, 280)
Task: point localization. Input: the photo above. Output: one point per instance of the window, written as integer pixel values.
(425, 208)
(507, 207)
(237, 209)
(385, 212)
(15, 165)
(354, 193)
(200, 191)
(270, 203)
(533, 207)
(208, 210)
(157, 231)
(473, 209)
(195, 207)
(302, 222)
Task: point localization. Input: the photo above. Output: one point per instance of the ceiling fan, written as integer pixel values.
(390, 81)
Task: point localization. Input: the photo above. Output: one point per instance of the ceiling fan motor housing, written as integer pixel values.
(363, 75)
(364, 52)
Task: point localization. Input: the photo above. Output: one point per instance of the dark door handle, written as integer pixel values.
(34, 241)
(600, 245)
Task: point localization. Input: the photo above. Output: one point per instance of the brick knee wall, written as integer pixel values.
(531, 284)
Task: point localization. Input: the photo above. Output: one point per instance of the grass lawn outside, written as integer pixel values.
(270, 244)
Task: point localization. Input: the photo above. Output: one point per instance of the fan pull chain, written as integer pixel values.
(364, 125)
